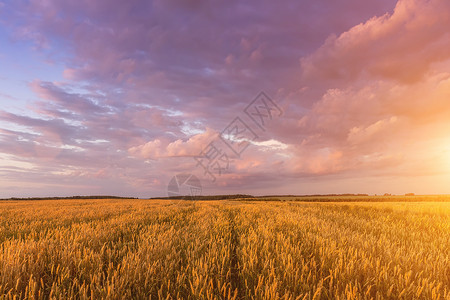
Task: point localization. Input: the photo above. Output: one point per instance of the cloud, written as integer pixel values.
(69, 101)
(146, 85)
(400, 46)
(358, 134)
(376, 126)
(180, 148)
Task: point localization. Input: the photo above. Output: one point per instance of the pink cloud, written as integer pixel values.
(360, 134)
(400, 46)
(363, 90)
(180, 148)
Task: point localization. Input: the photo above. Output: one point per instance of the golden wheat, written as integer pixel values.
(140, 249)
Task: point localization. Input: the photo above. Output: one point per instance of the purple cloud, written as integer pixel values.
(145, 84)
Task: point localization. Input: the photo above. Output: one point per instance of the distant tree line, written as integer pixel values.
(246, 196)
(315, 195)
(213, 197)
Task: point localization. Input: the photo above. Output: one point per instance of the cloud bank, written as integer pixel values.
(146, 85)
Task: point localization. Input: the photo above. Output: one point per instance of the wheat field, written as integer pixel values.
(158, 249)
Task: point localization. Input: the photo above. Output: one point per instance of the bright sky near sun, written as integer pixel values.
(117, 97)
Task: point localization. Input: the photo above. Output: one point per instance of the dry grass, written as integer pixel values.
(125, 249)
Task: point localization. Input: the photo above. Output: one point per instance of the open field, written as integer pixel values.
(158, 249)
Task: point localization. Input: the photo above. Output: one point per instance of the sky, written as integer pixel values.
(259, 97)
